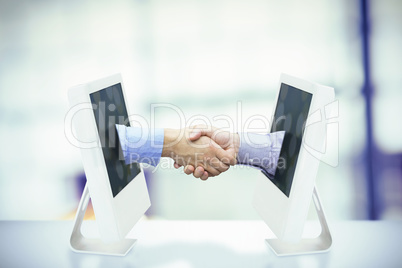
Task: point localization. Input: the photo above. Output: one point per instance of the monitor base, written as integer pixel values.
(81, 244)
(320, 244)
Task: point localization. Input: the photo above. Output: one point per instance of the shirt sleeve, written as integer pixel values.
(260, 150)
(141, 145)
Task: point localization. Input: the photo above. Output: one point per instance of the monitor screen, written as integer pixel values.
(290, 115)
(109, 109)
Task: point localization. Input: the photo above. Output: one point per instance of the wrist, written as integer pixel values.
(170, 141)
(236, 144)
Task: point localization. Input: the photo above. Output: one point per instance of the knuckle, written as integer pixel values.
(225, 167)
(215, 172)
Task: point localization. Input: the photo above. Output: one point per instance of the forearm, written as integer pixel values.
(171, 139)
(149, 145)
(260, 150)
(141, 145)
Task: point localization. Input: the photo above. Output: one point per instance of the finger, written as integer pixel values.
(199, 171)
(201, 130)
(204, 176)
(194, 135)
(176, 166)
(189, 169)
(212, 171)
(226, 157)
(217, 164)
(198, 126)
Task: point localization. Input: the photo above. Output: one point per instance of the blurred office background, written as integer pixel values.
(207, 58)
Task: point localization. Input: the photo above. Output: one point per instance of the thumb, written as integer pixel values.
(195, 134)
(201, 131)
(226, 157)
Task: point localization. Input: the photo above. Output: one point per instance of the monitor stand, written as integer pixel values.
(321, 243)
(82, 244)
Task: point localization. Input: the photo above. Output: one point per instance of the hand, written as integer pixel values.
(230, 142)
(202, 152)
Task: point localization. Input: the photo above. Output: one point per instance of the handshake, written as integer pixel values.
(203, 151)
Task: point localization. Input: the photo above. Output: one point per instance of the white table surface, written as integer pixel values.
(199, 244)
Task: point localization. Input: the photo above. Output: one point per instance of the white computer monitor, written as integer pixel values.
(118, 191)
(283, 200)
